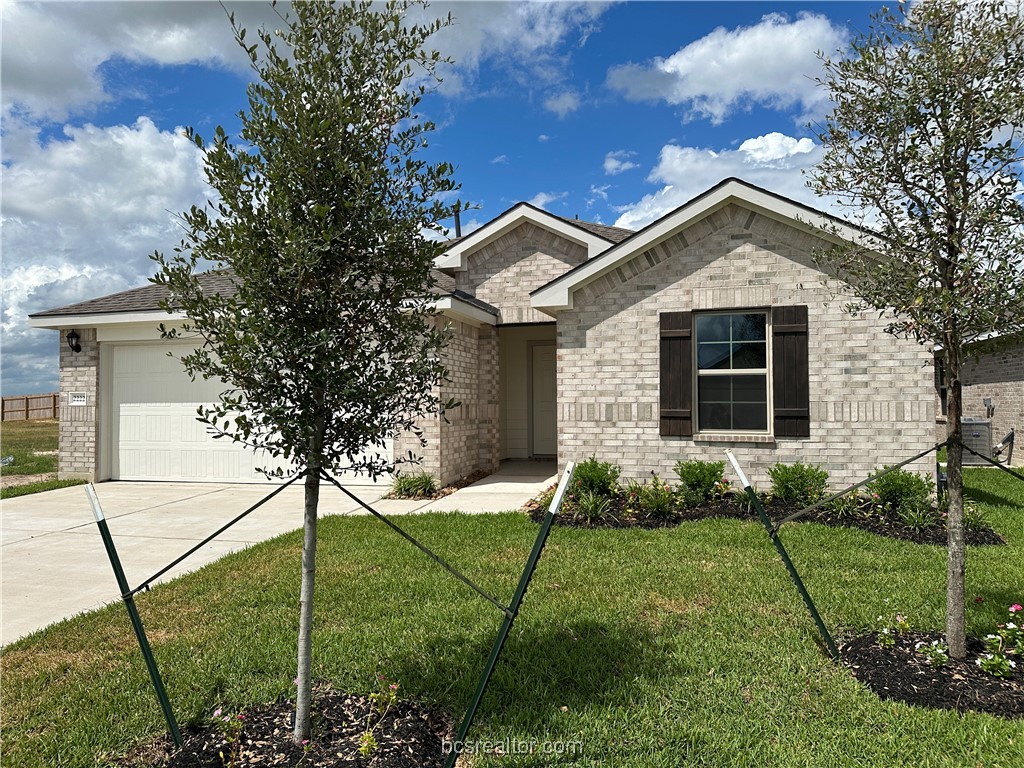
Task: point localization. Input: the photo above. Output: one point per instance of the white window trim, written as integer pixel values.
(710, 434)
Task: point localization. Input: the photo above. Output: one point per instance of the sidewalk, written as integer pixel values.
(153, 523)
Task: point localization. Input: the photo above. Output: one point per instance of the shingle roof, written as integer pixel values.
(145, 299)
(148, 298)
(615, 234)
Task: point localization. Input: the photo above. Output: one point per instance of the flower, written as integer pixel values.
(216, 712)
(1016, 608)
(979, 599)
(305, 742)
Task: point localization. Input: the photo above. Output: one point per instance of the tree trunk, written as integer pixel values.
(303, 698)
(956, 563)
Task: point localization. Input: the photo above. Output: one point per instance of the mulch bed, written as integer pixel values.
(883, 526)
(898, 673)
(408, 737)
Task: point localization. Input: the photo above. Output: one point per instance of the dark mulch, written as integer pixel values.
(901, 674)
(408, 737)
(890, 526)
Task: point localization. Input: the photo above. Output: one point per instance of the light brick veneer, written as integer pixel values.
(872, 400)
(466, 440)
(78, 438)
(994, 370)
(503, 272)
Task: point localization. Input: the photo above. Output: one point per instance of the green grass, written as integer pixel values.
(22, 438)
(43, 485)
(684, 646)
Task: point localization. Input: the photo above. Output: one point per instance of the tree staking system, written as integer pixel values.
(510, 612)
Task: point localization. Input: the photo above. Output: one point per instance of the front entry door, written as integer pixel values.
(543, 417)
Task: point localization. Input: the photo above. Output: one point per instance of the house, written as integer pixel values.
(992, 386)
(711, 328)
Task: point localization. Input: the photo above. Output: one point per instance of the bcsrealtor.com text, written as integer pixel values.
(514, 747)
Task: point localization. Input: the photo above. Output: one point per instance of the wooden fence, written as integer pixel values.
(28, 407)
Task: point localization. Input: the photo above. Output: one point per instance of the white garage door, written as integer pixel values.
(155, 435)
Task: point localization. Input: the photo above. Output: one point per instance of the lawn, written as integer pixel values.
(681, 646)
(23, 439)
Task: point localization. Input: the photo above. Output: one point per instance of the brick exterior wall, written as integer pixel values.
(503, 272)
(467, 439)
(78, 433)
(871, 395)
(994, 370)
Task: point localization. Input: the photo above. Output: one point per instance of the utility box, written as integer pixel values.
(978, 437)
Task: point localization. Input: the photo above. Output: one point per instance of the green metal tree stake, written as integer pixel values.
(833, 652)
(510, 615)
(133, 615)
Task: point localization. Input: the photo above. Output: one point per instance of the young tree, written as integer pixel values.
(327, 336)
(925, 137)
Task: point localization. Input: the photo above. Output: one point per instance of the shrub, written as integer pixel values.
(595, 476)
(698, 480)
(798, 483)
(545, 497)
(901, 489)
(656, 498)
(593, 507)
(918, 515)
(418, 485)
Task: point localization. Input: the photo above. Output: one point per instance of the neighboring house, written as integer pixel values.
(992, 382)
(711, 328)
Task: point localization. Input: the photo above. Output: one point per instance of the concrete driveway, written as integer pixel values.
(53, 566)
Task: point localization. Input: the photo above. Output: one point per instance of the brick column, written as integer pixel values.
(79, 434)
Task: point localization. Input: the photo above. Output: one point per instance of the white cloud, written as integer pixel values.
(499, 160)
(600, 191)
(563, 103)
(80, 218)
(618, 162)
(52, 52)
(771, 63)
(544, 199)
(775, 147)
(527, 39)
(773, 161)
(543, 137)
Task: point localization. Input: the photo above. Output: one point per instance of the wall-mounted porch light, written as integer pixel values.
(73, 338)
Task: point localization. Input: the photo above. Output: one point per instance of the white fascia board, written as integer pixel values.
(557, 295)
(59, 322)
(456, 256)
(452, 306)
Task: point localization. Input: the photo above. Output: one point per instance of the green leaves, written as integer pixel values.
(327, 336)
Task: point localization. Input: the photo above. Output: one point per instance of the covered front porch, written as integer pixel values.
(527, 385)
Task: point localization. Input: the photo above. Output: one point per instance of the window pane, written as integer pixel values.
(748, 327)
(750, 417)
(714, 355)
(750, 354)
(713, 327)
(714, 416)
(736, 403)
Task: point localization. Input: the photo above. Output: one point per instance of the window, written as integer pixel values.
(724, 362)
(732, 372)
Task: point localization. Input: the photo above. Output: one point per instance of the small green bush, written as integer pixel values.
(901, 489)
(918, 516)
(598, 477)
(418, 485)
(656, 498)
(798, 483)
(593, 507)
(698, 480)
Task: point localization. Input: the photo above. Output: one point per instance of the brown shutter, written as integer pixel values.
(791, 390)
(676, 374)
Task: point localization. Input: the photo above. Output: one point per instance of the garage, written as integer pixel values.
(154, 434)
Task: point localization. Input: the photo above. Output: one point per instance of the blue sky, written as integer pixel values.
(613, 112)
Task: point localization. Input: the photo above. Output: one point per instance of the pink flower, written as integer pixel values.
(1016, 607)
(216, 712)
(393, 686)
(979, 599)
(305, 742)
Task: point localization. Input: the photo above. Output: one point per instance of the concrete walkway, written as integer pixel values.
(53, 566)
